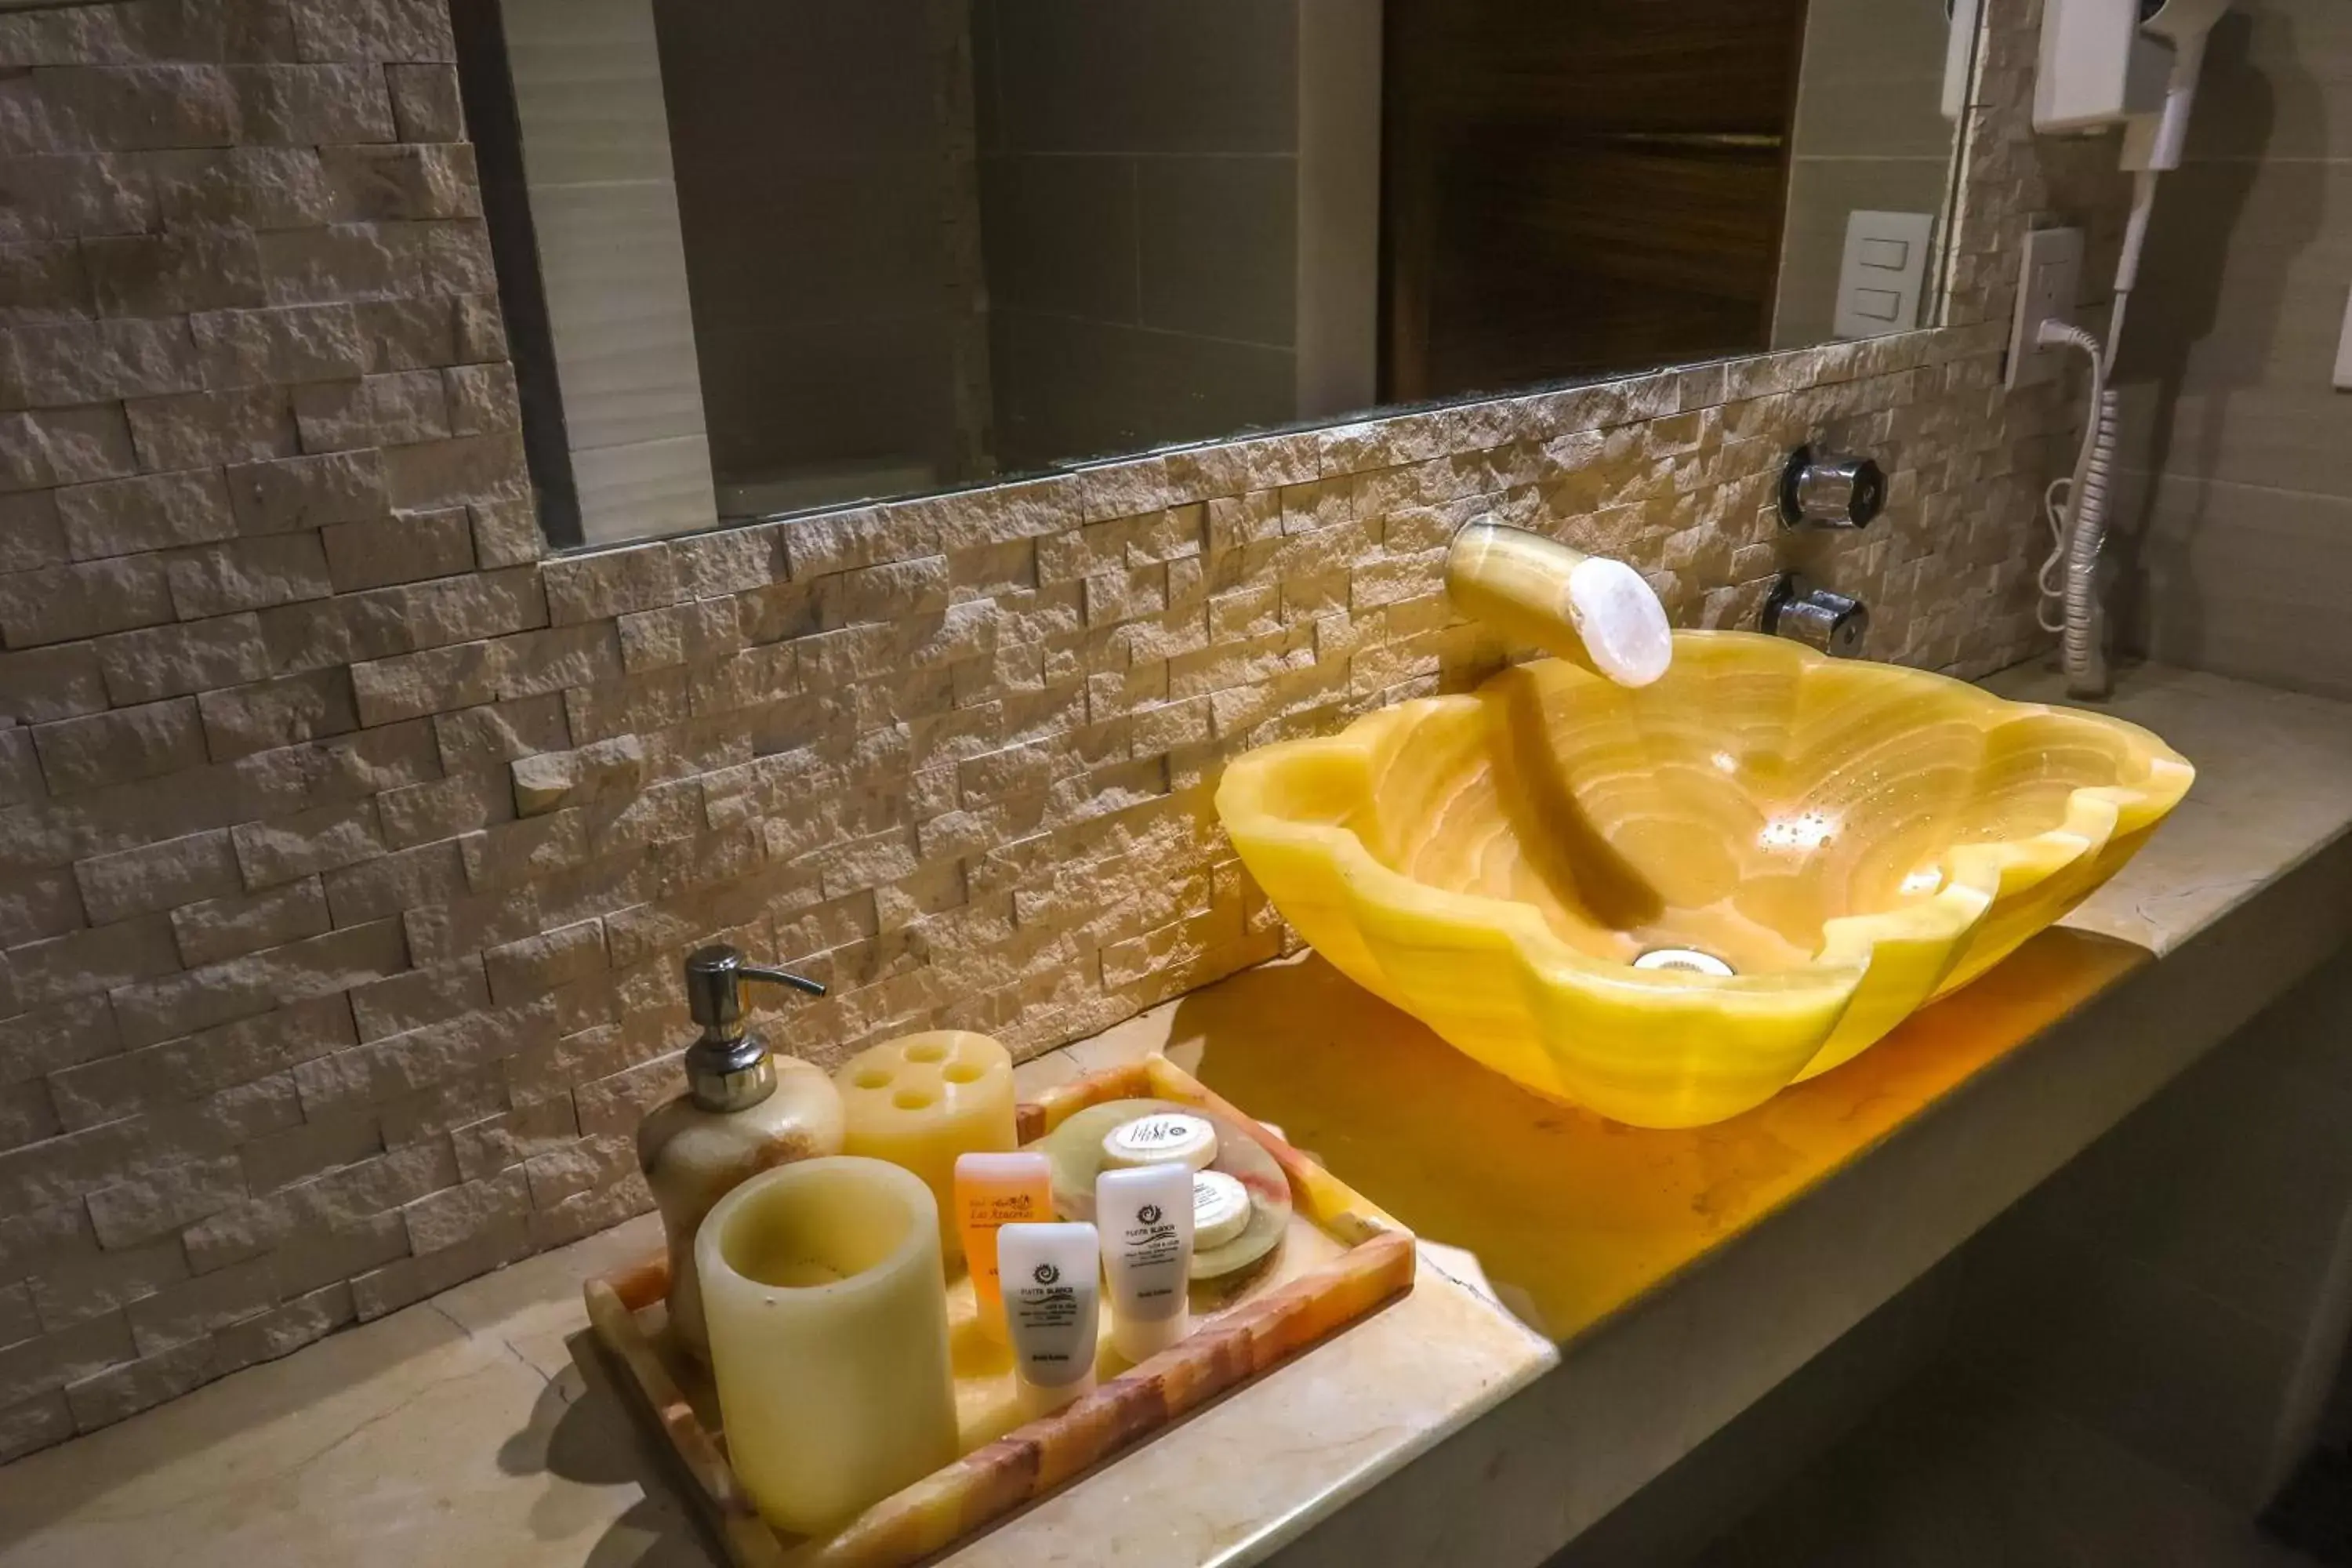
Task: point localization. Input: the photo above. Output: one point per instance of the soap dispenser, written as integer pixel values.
(744, 1110)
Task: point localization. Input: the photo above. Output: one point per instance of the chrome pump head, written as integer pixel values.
(728, 1068)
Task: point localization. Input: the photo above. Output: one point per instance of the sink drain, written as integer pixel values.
(1684, 957)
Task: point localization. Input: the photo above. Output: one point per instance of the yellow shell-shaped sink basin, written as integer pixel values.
(1667, 904)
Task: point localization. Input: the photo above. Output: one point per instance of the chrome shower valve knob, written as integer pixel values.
(1825, 490)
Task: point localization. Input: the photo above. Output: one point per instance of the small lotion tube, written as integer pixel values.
(1053, 1292)
(1145, 1214)
(992, 1191)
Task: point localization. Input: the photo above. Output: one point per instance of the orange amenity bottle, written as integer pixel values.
(992, 1191)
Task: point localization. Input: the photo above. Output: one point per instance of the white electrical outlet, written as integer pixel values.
(2048, 280)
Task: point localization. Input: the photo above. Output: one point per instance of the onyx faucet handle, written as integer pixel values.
(715, 978)
(1831, 489)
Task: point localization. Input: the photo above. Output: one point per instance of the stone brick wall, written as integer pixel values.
(348, 850)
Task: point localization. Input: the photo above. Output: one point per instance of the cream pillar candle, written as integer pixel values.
(828, 1320)
(920, 1101)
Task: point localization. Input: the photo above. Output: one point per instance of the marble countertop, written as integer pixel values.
(1668, 1278)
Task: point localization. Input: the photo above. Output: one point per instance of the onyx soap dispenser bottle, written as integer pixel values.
(744, 1110)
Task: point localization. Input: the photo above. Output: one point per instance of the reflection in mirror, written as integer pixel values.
(771, 255)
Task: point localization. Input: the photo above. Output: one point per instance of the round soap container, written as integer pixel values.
(1221, 1209)
(1079, 1153)
(1161, 1138)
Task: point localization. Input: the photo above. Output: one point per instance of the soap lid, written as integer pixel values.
(1164, 1137)
(1221, 1208)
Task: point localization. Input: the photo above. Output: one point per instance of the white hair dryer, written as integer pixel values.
(2133, 63)
(2124, 62)
(2154, 141)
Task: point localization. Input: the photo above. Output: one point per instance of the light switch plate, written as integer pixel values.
(1882, 273)
(2049, 281)
(2344, 351)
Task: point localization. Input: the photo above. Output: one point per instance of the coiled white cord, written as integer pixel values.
(2082, 645)
(2055, 579)
(2076, 507)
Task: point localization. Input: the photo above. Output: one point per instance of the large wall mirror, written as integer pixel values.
(763, 256)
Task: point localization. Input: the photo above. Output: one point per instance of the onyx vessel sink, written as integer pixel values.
(1667, 903)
